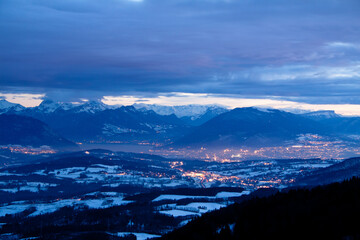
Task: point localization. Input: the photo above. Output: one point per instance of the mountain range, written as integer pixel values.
(251, 127)
(192, 114)
(94, 121)
(184, 126)
(6, 106)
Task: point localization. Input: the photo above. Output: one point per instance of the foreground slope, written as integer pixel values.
(328, 212)
(334, 173)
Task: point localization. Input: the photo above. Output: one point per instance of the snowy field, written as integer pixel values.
(223, 195)
(44, 208)
(139, 236)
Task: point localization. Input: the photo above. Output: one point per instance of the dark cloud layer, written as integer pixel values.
(308, 50)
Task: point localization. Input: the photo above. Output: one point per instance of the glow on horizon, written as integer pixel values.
(24, 99)
(179, 98)
(231, 102)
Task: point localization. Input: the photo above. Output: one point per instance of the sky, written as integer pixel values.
(305, 53)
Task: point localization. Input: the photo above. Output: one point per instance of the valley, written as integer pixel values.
(129, 172)
(153, 186)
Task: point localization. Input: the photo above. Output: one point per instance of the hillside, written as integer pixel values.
(27, 131)
(334, 173)
(329, 212)
(95, 121)
(250, 127)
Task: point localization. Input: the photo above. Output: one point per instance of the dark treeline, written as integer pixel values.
(326, 212)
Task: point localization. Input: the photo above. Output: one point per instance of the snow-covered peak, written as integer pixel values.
(48, 106)
(192, 110)
(93, 107)
(68, 106)
(6, 106)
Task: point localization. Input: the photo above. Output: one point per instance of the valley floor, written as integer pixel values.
(116, 193)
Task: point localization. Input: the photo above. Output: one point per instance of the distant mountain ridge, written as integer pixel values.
(249, 127)
(336, 123)
(185, 126)
(192, 114)
(6, 106)
(191, 110)
(319, 115)
(95, 121)
(50, 106)
(27, 131)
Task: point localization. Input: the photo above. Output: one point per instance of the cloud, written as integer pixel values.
(294, 72)
(25, 99)
(343, 45)
(250, 48)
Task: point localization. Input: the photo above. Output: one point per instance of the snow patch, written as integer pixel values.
(231, 194)
(179, 213)
(193, 110)
(139, 236)
(218, 195)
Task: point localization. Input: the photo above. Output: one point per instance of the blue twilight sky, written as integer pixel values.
(304, 51)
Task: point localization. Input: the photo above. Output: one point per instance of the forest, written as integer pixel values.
(324, 212)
